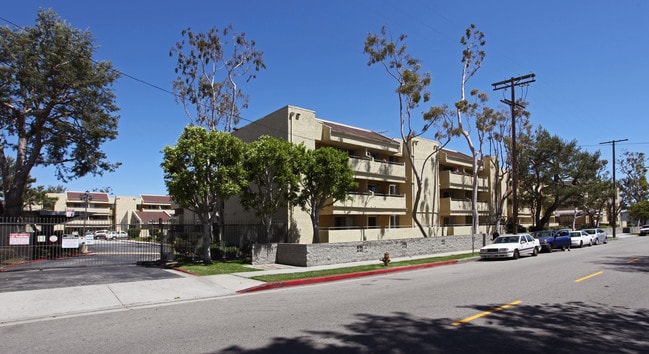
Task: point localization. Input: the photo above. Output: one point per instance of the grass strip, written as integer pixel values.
(355, 269)
(218, 267)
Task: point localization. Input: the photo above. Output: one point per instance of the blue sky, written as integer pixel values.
(589, 58)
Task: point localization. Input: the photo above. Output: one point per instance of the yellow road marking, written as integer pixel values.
(468, 319)
(588, 277)
(634, 260)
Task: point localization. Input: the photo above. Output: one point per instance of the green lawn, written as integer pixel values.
(238, 266)
(218, 267)
(362, 268)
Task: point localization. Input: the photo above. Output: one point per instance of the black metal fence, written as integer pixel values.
(38, 243)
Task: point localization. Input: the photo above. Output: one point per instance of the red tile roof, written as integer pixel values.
(457, 155)
(96, 196)
(155, 199)
(357, 132)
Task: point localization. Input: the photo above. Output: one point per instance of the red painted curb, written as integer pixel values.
(282, 284)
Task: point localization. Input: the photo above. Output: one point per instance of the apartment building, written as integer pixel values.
(383, 205)
(97, 210)
(456, 192)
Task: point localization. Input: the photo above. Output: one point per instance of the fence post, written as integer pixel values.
(163, 256)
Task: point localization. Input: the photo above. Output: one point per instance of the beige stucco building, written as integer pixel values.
(98, 211)
(382, 207)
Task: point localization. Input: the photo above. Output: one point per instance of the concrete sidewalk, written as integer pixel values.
(19, 306)
(77, 300)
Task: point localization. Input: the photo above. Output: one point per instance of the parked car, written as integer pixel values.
(101, 234)
(113, 235)
(644, 230)
(550, 240)
(511, 246)
(598, 235)
(580, 238)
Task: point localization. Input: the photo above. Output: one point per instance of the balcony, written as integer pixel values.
(367, 168)
(372, 203)
(460, 206)
(450, 180)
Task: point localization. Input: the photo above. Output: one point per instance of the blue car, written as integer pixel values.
(553, 239)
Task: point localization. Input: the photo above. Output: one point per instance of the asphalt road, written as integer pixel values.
(588, 300)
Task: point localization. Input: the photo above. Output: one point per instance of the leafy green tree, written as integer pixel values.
(56, 189)
(34, 195)
(326, 179)
(640, 211)
(634, 187)
(273, 169)
(208, 67)
(107, 190)
(412, 90)
(554, 173)
(595, 198)
(201, 170)
(37, 196)
(56, 105)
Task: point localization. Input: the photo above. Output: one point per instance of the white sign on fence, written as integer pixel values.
(70, 242)
(18, 239)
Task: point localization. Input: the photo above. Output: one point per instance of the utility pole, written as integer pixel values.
(511, 84)
(612, 142)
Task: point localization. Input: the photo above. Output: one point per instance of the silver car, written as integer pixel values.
(580, 239)
(598, 235)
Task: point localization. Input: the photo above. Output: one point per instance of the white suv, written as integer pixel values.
(101, 234)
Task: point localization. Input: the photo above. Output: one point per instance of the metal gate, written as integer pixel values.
(64, 242)
(39, 243)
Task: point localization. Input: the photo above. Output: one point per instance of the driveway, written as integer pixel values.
(67, 277)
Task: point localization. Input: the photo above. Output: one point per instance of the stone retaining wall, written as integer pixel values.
(308, 255)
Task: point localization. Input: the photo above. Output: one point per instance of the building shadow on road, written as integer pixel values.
(557, 328)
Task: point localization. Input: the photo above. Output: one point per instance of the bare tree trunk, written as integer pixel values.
(474, 197)
(315, 215)
(207, 241)
(267, 221)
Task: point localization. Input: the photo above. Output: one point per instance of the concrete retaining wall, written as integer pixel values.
(307, 255)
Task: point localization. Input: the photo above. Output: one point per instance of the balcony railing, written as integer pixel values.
(375, 202)
(378, 169)
(451, 180)
(452, 205)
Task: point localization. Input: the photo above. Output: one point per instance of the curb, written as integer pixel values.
(328, 278)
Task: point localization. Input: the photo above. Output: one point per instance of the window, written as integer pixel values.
(371, 221)
(343, 221)
(394, 221)
(394, 190)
